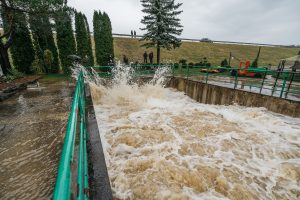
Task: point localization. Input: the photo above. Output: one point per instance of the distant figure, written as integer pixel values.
(134, 34)
(125, 60)
(145, 55)
(131, 33)
(151, 57)
(296, 66)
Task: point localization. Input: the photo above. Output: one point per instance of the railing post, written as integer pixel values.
(291, 80)
(173, 70)
(274, 86)
(206, 77)
(283, 86)
(188, 72)
(262, 84)
(235, 80)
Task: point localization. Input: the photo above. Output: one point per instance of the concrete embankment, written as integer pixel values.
(213, 94)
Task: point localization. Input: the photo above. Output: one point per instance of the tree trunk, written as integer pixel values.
(5, 64)
(158, 55)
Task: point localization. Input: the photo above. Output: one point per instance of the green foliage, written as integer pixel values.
(48, 59)
(13, 74)
(43, 39)
(65, 39)
(90, 49)
(224, 63)
(176, 65)
(162, 24)
(103, 38)
(254, 64)
(15, 13)
(37, 65)
(183, 63)
(83, 40)
(22, 49)
(191, 64)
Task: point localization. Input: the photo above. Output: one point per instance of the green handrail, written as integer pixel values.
(62, 190)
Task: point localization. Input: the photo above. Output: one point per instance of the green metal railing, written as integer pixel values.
(63, 187)
(284, 84)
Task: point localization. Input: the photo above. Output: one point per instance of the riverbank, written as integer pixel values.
(9, 88)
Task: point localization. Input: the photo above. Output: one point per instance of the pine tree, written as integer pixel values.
(162, 24)
(65, 39)
(22, 49)
(44, 40)
(83, 39)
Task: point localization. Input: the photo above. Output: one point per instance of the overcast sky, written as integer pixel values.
(261, 21)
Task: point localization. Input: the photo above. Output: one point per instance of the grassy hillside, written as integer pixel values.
(194, 51)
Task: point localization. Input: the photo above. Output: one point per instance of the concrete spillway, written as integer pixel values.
(160, 144)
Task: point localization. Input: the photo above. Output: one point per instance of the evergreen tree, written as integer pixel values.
(13, 12)
(83, 39)
(162, 24)
(22, 49)
(103, 38)
(90, 49)
(44, 40)
(109, 45)
(99, 43)
(65, 39)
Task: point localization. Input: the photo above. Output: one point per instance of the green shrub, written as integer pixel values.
(191, 65)
(37, 66)
(48, 60)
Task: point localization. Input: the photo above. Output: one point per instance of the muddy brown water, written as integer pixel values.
(32, 127)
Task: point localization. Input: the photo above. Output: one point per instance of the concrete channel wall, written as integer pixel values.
(213, 94)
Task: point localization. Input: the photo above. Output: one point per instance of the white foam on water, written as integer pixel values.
(160, 144)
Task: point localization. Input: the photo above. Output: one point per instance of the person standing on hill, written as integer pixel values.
(125, 60)
(131, 33)
(151, 57)
(145, 55)
(134, 34)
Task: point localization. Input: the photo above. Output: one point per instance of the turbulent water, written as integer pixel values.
(160, 144)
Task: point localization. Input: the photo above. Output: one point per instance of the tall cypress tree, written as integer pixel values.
(97, 25)
(161, 24)
(90, 49)
(22, 49)
(65, 39)
(43, 36)
(83, 39)
(103, 38)
(109, 46)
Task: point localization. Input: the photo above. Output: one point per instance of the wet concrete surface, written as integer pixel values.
(32, 127)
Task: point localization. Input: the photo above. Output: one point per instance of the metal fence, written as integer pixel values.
(283, 84)
(63, 187)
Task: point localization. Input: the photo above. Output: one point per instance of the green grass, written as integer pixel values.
(194, 51)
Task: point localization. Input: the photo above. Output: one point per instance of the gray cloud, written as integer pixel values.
(264, 21)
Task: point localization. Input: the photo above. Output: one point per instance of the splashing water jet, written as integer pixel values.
(160, 144)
